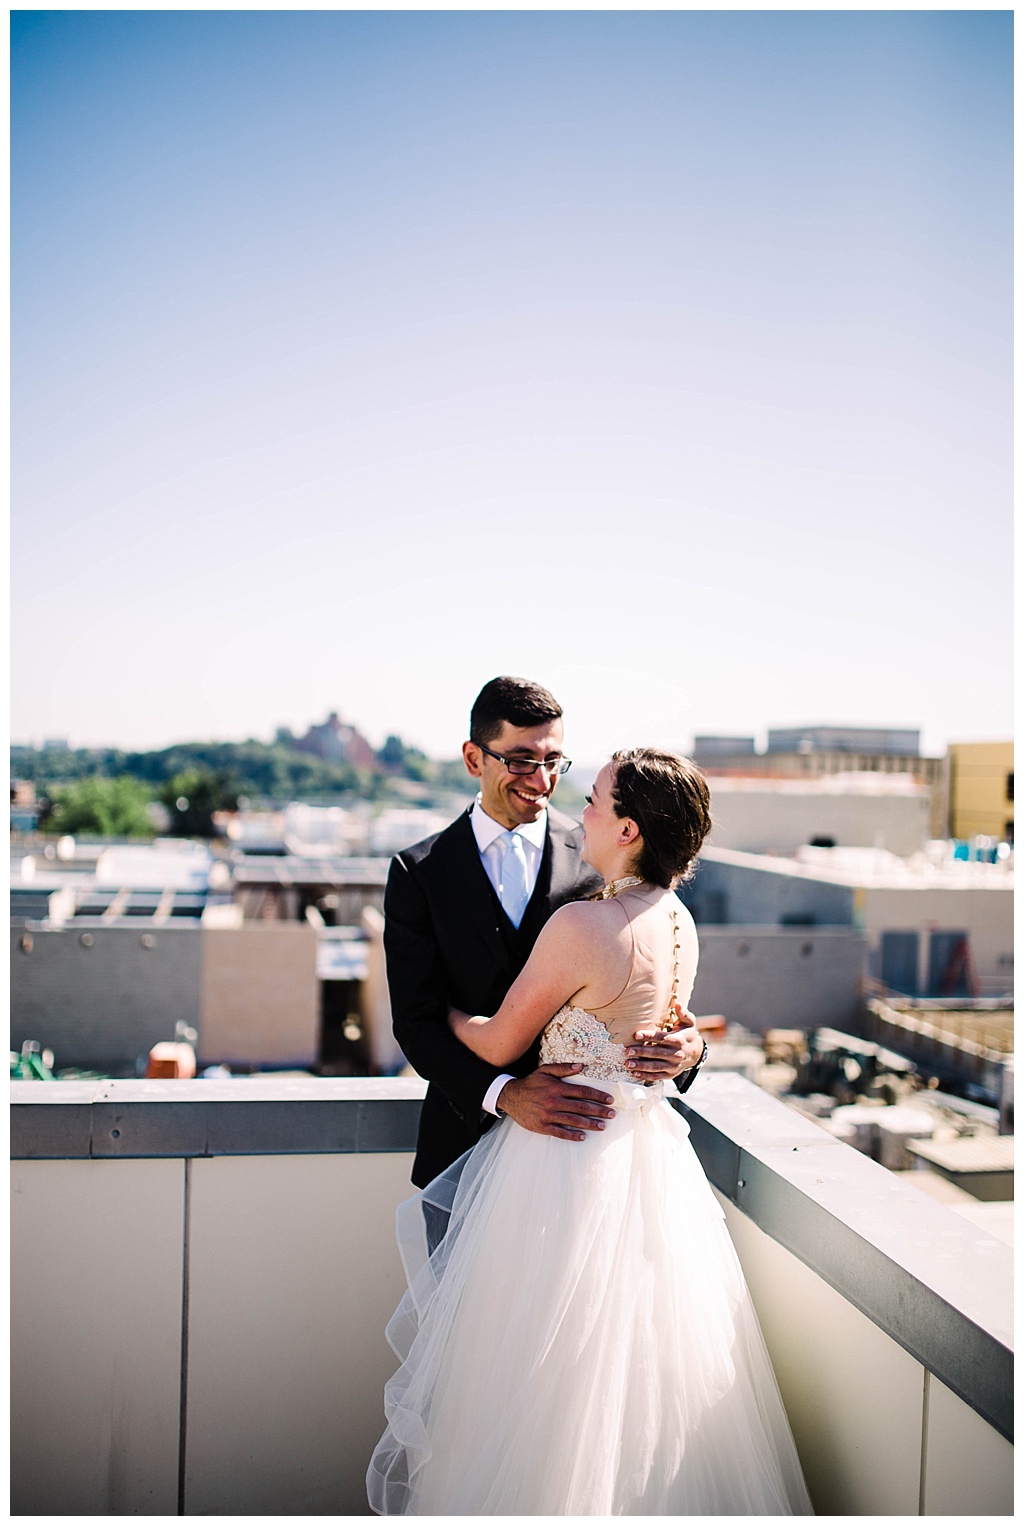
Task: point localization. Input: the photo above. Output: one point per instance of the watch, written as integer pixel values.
(686, 1080)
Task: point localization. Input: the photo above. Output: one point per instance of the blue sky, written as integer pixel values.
(663, 357)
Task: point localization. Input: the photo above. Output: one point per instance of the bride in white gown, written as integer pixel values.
(581, 1341)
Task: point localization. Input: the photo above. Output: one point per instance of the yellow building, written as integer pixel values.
(981, 790)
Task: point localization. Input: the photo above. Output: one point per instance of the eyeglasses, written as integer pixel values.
(553, 765)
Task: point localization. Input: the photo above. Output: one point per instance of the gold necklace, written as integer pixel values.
(614, 887)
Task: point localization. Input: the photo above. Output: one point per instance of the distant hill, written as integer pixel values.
(278, 770)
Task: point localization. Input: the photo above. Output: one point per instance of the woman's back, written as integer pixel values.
(663, 960)
(644, 952)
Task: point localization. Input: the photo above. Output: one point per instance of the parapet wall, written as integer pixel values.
(202, 1271)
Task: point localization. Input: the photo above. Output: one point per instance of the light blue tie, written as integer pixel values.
(514, 892)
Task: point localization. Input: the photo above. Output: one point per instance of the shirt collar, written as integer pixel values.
(486, 830)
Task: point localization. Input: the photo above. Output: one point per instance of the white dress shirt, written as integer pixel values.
(488, 833)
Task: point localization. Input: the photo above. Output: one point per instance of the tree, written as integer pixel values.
(392, 754)
(396, 758)
(193, 796)
(100, 808)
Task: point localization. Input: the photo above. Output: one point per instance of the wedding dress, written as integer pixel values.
(581, 1341)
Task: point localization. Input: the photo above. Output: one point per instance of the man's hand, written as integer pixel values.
(658, 1056)
(544, 1104)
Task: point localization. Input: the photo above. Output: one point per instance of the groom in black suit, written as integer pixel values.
(463, 910)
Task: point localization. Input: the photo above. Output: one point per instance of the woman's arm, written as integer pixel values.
(561, 963)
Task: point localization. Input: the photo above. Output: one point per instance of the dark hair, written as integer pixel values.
(515, 700)
(668, 798)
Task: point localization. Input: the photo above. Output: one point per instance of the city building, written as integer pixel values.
(337, 742)
(865, 741)
(268, 958)
(763, 976)
(802, 752)
(968, 1045)
(934, 926)
(855, 810)
(25, 809)
(981, 790)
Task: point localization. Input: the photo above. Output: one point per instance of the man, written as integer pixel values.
(462, 912)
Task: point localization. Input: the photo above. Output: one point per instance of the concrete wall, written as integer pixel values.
(738, 894)
(204, 1335)
(985, 913)
(101, 996)
(742, 894)
(102, 1004)
(781, 816)
(96, 1286)
(260, 995)
(781, 977)
(930, 1454)
(292, 1275)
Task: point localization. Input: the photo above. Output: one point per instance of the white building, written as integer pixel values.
(934, 926)
(857, 810)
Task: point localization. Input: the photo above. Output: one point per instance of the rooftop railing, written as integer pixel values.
(202, 1272)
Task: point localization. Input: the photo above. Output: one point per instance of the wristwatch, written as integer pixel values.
(686, 1080)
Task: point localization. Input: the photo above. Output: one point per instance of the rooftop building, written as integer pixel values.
(855, 739)
(705, 748)
(933, 925)
(981, 790)
(806, 752)
(856, 810)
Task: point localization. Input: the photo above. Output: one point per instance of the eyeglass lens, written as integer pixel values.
(530, 765)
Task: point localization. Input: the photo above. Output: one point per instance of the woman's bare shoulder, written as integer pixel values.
(586, 920)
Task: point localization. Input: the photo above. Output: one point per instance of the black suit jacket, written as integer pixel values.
(448, 943)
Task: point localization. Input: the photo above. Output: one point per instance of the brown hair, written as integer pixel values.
(516, 700)
(668, 798)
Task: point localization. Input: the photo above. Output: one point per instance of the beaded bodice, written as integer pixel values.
(576, 1037)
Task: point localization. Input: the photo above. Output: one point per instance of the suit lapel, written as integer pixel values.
(567, 866)
(561, 871)
(459, 858)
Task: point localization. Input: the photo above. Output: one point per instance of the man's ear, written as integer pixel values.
(473, 759)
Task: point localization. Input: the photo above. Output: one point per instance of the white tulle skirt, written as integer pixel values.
(582, 1341)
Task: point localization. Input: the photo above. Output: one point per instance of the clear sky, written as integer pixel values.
(664, 357)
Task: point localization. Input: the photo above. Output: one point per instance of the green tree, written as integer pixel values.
(100, 808)
(193, 796)
(410, 762)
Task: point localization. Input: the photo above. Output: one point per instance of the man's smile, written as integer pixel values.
(530, 799)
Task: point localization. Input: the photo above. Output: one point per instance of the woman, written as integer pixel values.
(581, 1341)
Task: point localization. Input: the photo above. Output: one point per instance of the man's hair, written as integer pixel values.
(668, 798)
(515, 700)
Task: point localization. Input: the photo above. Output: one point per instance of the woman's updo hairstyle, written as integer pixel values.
(668, 798)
